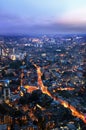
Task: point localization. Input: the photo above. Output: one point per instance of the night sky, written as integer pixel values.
(42, 16)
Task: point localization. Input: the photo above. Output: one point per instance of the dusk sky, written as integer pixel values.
(42, 16)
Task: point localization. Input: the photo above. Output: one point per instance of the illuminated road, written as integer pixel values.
(44, 90)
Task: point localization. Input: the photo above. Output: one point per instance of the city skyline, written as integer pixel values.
(39, 17)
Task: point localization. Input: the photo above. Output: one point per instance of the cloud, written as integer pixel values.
(23, 25)
(60, 28)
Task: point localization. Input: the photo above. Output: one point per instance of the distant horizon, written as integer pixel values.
(38, 34)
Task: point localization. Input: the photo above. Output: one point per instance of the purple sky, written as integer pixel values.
(42, 16)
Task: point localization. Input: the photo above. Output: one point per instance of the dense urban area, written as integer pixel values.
(43, 82)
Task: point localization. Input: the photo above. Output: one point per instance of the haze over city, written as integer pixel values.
(42, 16)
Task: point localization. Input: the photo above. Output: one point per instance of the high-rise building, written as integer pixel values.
(6, 92)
